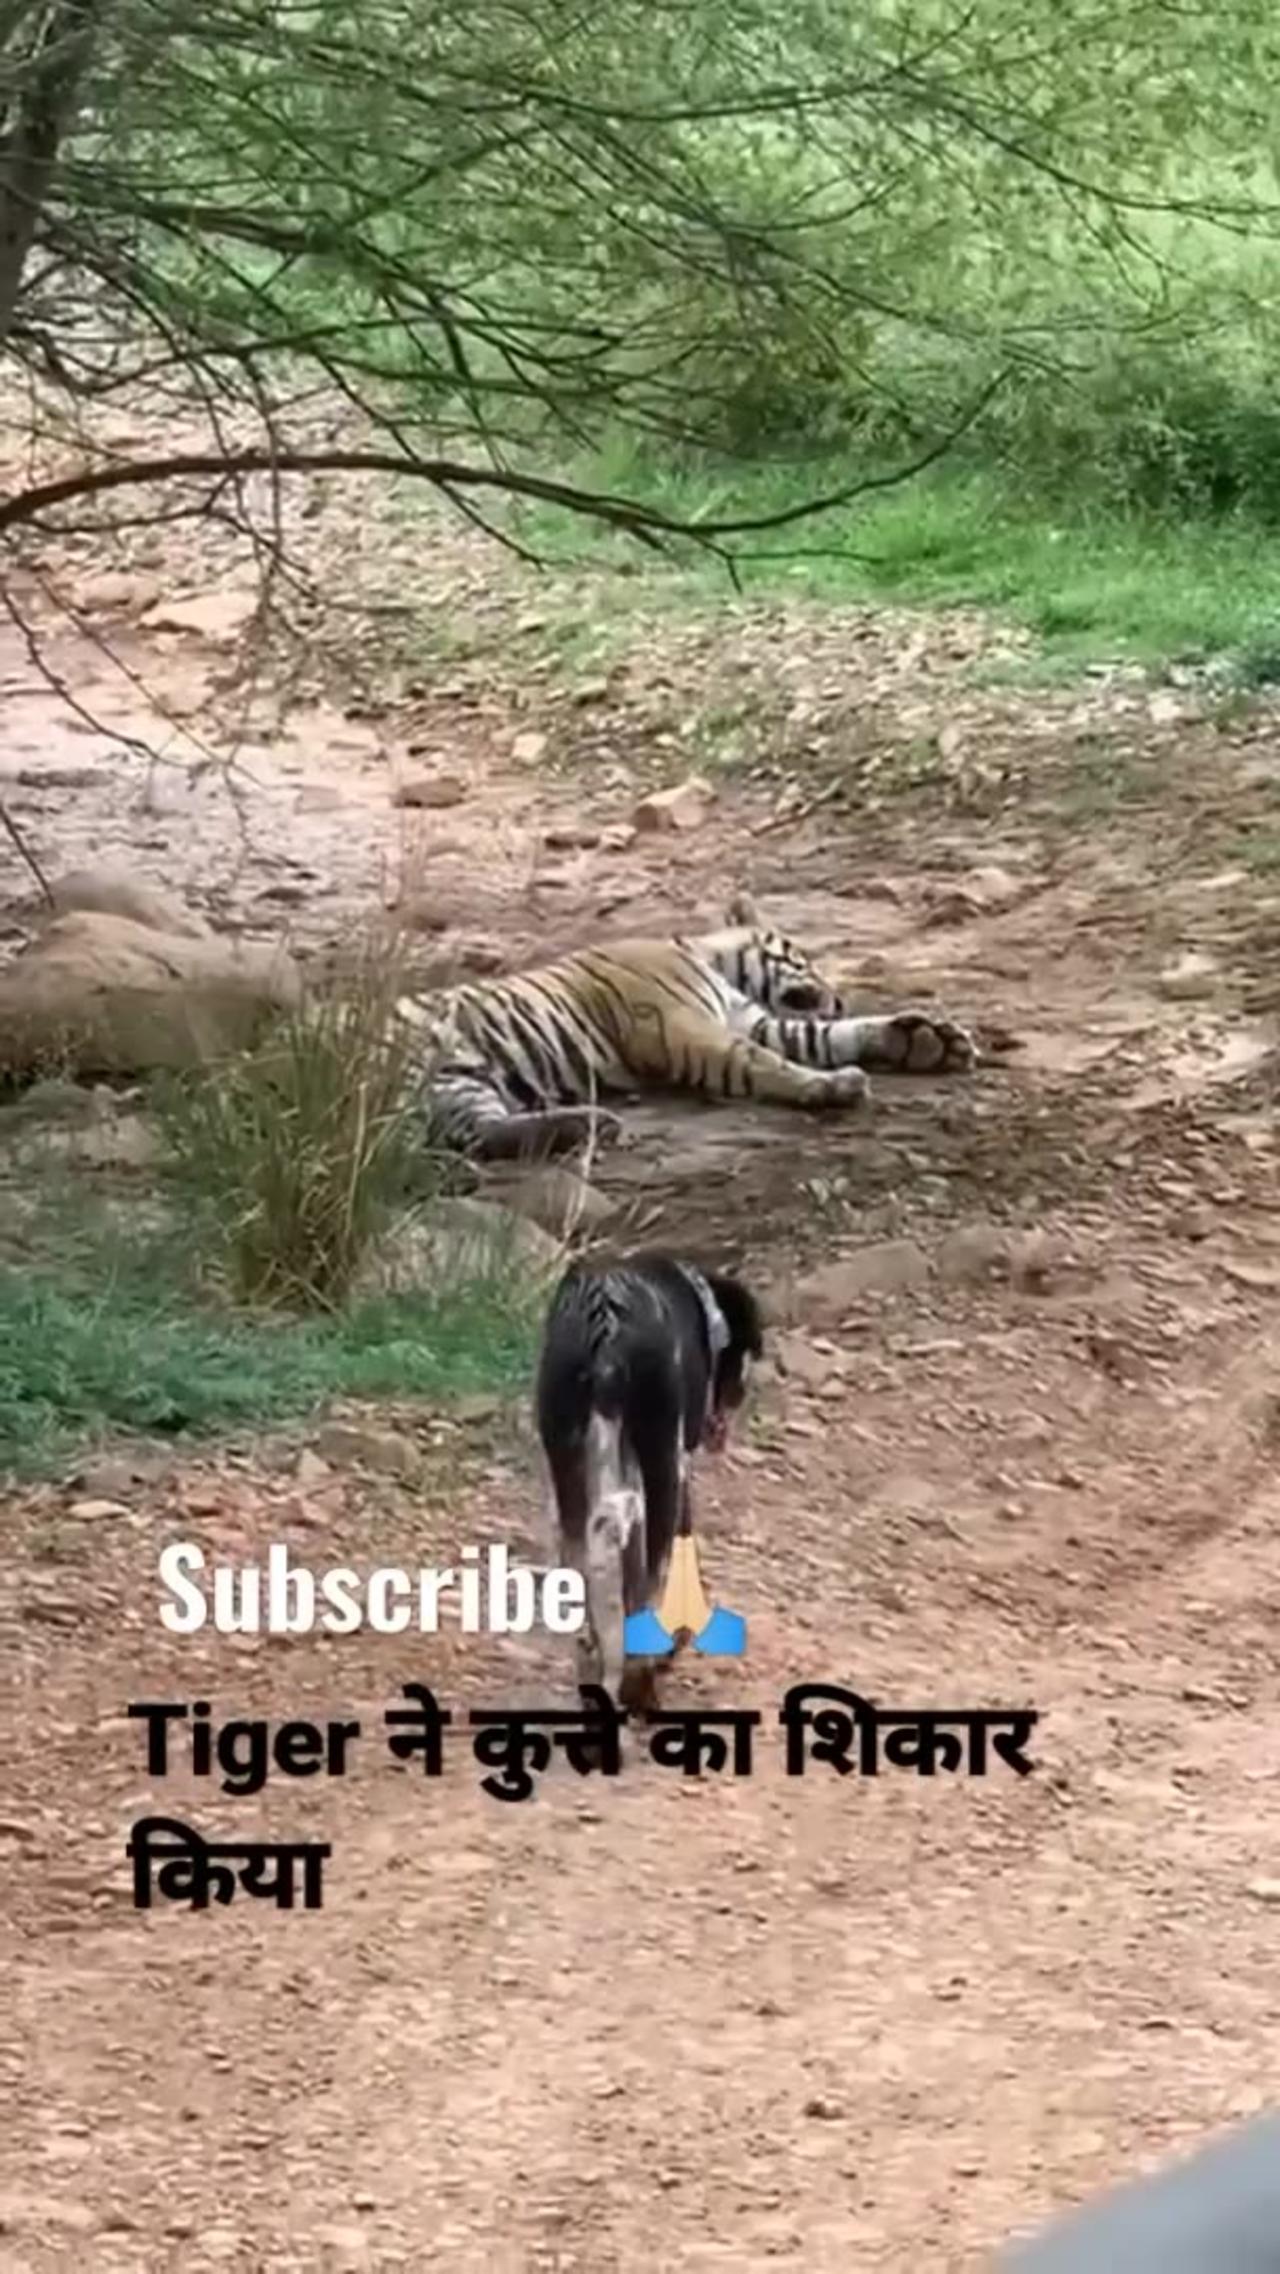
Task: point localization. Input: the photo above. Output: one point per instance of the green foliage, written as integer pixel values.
(113, 1337)
(242, 1287)
(752, 242)
(1191, 430)
(729, 226)
(1089, 579)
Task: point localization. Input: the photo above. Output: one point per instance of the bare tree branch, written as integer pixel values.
(25, 854)
(628, 514)
(709, 226)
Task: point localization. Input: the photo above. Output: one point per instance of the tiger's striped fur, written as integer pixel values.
(518, 1063)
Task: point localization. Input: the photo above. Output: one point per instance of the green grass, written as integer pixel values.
(241, 1282)
(1089, 583)
(102, 1336)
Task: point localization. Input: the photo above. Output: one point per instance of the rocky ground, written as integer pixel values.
(1017, 1446)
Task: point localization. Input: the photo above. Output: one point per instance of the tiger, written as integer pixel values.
(516, 1065)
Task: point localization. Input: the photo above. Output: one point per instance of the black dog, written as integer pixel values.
(642, 1361)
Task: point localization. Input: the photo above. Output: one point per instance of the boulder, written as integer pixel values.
(455, 1241)
(684, 807)
(431, 790)
(557, 1199)
(219, 617)
(114, 892)
(100, 994)
(885, 1267)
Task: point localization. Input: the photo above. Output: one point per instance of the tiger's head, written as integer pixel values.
(794, 983)
(772, 970)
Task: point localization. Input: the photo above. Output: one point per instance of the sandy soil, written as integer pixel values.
(1025, 1453)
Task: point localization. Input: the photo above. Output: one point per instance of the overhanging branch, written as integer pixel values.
(632, 516)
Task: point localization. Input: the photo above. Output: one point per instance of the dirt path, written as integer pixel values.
(1025, 1454)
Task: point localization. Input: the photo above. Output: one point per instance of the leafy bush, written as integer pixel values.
(1191, 429)
(293, 1154)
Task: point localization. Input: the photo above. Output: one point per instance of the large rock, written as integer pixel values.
(114, 892)
(554, 1198)
(431, 790)
(1193, 976)
(219, 617)
(99, 994)
(456, 1241)
(885, 1267)
(684, 807)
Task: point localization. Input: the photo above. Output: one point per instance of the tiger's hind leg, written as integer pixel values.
(470, 1115)
(544, 1136)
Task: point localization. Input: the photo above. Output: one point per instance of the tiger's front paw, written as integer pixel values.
(921, 1042)
(846, 1089)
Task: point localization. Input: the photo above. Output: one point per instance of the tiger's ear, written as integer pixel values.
(742, 910)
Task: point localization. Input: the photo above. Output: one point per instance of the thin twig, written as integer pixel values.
(24, 853)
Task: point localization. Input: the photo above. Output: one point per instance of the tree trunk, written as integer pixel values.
(43, 61)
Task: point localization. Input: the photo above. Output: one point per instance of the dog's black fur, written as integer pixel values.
(628, 1388)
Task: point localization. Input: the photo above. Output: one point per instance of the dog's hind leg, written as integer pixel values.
(660, 1453)
(570, 1467)
(615, 1524)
